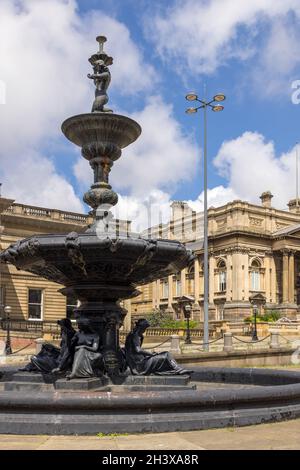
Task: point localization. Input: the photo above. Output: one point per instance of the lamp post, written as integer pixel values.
(254, 334)
(213, 104)
(7, 311)
(187, 314)
(257, 301)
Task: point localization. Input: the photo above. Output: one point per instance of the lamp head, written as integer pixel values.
(217, 108)
(219, 97)
(191, 96)
(187, 310)
(191, 110)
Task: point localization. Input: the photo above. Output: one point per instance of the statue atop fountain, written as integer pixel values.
(101, 76)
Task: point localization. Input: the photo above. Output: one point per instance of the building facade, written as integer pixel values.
(253, 249)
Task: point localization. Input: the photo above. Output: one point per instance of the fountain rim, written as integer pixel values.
(276, 398)
(101, 117)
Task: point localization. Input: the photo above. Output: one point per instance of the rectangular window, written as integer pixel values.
(178, 287)
(35, 304)
(255, 280)
(165, 289)
(222, 281)
(71, 304)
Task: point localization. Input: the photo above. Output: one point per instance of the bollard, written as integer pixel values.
(38, 344)
(228, 345)
(175, 348)
(274, 340)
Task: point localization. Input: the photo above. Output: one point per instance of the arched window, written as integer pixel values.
(255, 275)
(222, 275)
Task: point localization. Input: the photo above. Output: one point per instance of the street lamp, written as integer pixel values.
(216, 107)
(187, 309)
(254, 333)
(7, 311)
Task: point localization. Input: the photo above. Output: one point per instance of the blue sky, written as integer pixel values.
(162, 49)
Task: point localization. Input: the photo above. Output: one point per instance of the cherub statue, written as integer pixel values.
(101, 76)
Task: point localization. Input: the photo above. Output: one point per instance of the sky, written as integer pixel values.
(162, 49)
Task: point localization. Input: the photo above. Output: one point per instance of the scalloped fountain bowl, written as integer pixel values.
(112, 267)
(91, 129)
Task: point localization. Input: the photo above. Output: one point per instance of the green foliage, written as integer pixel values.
(113, 434)
(159, 319)
(271, 316)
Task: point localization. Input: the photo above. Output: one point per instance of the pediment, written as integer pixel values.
(292, 230)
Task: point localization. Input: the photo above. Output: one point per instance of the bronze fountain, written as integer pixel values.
(99, 267)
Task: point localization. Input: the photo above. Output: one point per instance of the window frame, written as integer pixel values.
(34, 303)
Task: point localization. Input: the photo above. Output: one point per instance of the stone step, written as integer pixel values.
(181, 380)
(80, 384)
(27, 386)
(33, 377)
(149, 388)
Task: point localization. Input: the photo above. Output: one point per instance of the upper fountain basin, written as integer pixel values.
(85, 129)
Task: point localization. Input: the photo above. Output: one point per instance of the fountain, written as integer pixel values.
(101, 267)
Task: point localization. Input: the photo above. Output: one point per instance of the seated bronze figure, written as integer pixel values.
(88, 360)
(53, 359)
(143, 362)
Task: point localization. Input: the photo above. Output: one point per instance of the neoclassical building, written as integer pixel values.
(252, 249)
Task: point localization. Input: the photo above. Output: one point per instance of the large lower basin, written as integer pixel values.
(86, 259)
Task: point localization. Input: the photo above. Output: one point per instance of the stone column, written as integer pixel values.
(183, 282)
(291, 278)
(196, 280)
(267, 279)
(154, 294)
(273, 290)
(170, 297)
(285, 277)
(175, 344)
(274, 340)
(246, 275)
(229, 278)
(235, 276)
(211, 279)
(158, 293)
(228, 344)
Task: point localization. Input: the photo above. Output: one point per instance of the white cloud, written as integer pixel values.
(200, 36)
(35, 181)
(251, 166)
(144, 212)
(216, 197)
(161, 157)
(44, 47)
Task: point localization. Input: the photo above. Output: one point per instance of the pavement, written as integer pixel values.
(275, 436)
